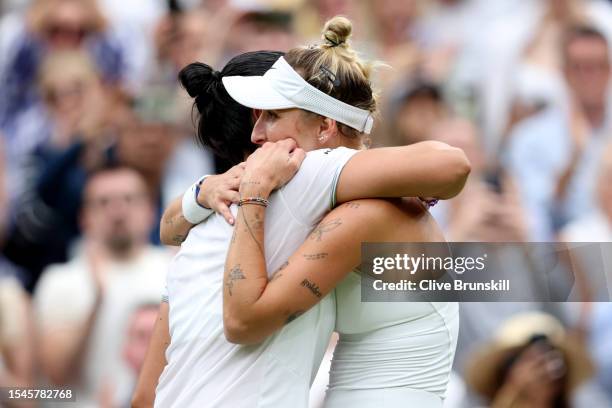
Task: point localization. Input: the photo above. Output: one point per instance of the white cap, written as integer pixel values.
(283, 88)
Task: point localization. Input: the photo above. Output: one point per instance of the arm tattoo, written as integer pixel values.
(322, 228)
(312, 287)
(249, 183)
(234, 275)
(352, 205)
(315, 257)
(277, 274)
(293, 316)
(250, 231)
(258, 224)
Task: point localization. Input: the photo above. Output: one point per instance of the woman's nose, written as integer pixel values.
(258, 135)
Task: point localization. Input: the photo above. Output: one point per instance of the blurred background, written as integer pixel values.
(96, 138)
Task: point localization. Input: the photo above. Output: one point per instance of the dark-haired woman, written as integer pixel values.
(206, 370)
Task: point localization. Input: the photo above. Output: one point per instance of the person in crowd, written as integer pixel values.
(47, 27)
(82, 305)
(135, 342)
(554, 155)
(531, 362)
(259, 26)
(49, 152)
(522, 60)
(413, 110)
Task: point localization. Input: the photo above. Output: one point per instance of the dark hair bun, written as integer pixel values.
(200, 81)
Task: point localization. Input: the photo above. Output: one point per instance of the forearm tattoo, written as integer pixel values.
(324, 227)
(234, 275)
(278, 273)
(258, 224)
(312, 287)
(315, 257)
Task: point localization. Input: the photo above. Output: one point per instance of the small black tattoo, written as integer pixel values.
(315, 257)
(293, 316)
(322, 228)
(352, 205)
(249, 183)
(277, 274)
(258, 224)
(312, 287)
(234, 275)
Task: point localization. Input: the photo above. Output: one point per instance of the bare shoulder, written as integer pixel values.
(405, 219)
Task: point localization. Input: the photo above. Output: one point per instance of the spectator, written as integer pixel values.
(136, 342)
(82, 305)
(553, 154)
(522, 59)
(49, 155)
(411, 114)
(261, 26)
(48, 27)
(531, 362)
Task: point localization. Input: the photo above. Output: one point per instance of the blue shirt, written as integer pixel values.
(539, 151)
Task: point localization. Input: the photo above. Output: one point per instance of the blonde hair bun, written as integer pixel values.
(337, 31)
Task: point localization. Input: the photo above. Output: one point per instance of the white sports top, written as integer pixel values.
(390, 346)
(204, 370)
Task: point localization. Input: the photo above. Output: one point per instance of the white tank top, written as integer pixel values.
(204, 370)
(391, 344)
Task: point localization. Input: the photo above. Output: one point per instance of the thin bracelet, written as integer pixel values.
(254, 200)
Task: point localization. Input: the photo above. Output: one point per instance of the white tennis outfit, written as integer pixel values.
(390, 354)
(204, 369)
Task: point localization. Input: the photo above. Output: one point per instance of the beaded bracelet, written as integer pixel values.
(254, 200)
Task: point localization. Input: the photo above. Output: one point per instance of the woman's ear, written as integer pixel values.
(328, 129)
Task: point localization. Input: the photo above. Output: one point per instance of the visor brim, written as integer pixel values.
(256, 92)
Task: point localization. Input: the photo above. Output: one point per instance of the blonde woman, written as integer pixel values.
(388, 355)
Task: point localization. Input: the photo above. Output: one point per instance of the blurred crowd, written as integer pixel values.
(96, 137)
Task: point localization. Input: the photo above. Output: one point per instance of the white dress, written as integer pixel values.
(390, 354)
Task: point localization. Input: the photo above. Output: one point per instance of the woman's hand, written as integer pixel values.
(220, 191)
(271, 167)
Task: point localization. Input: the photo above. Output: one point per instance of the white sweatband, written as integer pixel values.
(193, 211)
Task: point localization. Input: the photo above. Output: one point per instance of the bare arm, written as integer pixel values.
(253, 307)
(155, 361)
(216, 192)
(426, 169)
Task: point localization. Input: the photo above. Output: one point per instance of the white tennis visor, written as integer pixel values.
(283, 88)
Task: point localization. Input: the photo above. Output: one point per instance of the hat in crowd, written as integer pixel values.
(485, 366)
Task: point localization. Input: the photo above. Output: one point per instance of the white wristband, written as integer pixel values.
(193, 211)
